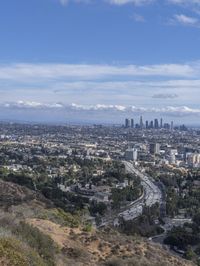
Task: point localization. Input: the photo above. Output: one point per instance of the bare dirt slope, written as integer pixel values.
(106, 247)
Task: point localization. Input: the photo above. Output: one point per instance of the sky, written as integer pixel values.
(100, 61)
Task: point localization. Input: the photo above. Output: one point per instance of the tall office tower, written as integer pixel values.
(166, 126)
(183, 128)
(154, 148)
(161, 123)
(131, 154)
(132, 123)
(141, 122)
(172, 125)
(156, 125)
(151, 124)
(147, 124)
(127, 123)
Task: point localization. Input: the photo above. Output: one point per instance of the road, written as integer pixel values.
(151, 195)
(169, 224)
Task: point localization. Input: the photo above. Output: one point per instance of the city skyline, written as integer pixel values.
(154, 123)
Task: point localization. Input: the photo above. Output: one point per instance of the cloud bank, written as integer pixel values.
(86, 71)
(100, 90)
(102, 108)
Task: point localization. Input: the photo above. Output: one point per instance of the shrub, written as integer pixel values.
(87, 227)
(16, 253)
(75, 252)
(10, 251)
(40, 242)
(114, 262)
(61, 217)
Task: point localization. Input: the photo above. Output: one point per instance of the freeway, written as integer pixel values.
(152, 194)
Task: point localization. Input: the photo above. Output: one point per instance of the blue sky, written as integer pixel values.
(99, 61)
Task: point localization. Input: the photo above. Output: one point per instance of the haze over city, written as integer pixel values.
(99, 61)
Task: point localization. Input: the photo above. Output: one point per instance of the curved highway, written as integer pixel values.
(152, 194)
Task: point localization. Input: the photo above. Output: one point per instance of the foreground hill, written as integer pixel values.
(34, 232)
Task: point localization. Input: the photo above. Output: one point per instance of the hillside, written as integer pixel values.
(34, 232)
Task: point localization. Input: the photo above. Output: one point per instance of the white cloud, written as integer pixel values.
(124, 2)
(98, 107)
(101, 108)
(113, 2)
(31, 105)
(138, 18)
(99, 88)
(85, 71)
(64, 2)
(185, 2)
(135, 2)
(168, 110)
(185, 20)
(124, 85)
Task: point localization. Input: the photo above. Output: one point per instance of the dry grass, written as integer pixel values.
(76, 246)
(106, 247)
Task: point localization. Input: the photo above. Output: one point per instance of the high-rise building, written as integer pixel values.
(156, 125)
(166, 126)
(127, 123)
(154, 148)
(151, 124)
(161, 123)
(131, 155)
(147, 124)
(172, 125)
(132, 123)
(141, 122)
